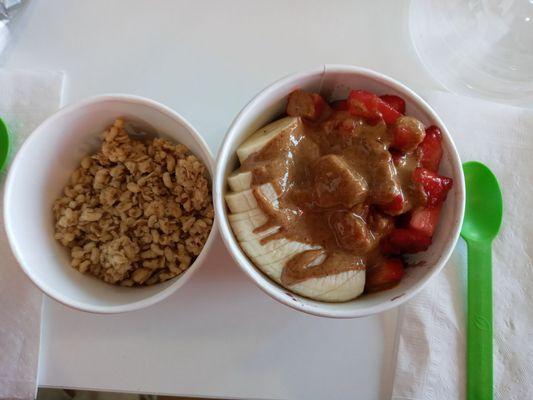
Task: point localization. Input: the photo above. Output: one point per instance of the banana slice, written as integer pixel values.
(239, 181)
(255, 248)
(333, 288)
(241, 201)
(275, 268)
(284, 252)
(256, 213)
(264, 135)
(258, 236)
(244, 224)
(245, 200)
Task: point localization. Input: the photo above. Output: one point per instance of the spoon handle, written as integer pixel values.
(479, 328)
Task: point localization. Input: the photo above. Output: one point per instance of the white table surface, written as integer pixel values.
(218, 336)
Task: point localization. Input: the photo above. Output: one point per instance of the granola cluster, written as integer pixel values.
(136, 212)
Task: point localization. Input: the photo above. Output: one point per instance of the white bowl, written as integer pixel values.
(334, 82)
(41, 169)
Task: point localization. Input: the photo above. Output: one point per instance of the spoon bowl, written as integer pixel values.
(483, 212)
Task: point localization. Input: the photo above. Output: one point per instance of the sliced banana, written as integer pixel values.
(239, 181)
(271, 256)
(239, 202)
(269, 193)
(333, 288)
(259, 235)
(255, 248)
(256, 213)
(244, 224)
(245, 200)
(264, 135)
(275, 268)
(284, 252)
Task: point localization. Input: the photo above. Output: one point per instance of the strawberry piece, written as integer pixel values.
(396, 206)
(407, 134)
(362, 104)
(424, 220)
(390, 115)
(367, 105)
(404, 240)
(340, 105)
(395, 102)
(387, 248)
(436, 187)
(384, 275)
(310, 106)
(430, 150)
(341, 128)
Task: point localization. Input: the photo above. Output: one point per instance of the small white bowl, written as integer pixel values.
(334, 82)
(42, 168)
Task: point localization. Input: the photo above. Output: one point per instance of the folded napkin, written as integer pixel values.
(26, 99)
(431, 334)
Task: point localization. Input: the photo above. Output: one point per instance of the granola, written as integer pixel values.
(136, 212)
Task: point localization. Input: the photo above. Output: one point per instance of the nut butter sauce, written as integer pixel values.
(331, 178)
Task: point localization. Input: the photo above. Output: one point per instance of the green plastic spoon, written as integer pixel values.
(483, 217)
(4, 144)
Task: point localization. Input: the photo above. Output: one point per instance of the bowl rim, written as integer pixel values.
(262, 281)
(10, 183)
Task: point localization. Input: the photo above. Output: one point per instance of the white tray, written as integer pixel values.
(219, 336)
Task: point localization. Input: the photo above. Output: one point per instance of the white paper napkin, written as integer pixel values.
(26, 99)
(431, 336)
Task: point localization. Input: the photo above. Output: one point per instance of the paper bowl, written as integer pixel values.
(40, 171)
(334, 82)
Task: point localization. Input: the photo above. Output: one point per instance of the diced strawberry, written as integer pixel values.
(341, 128)
(436, 187)
(367, 105)
(384, 275)
(408, 240)
(430, 150)
(339, 105)
(320, 105)
(395, 102)
(310, 106)
(407, 134)
(362, 103)
(387, 248)
(396, 206)
(425, 220)
(390, 115)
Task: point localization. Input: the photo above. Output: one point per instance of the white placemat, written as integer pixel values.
(26, 99)
(431, 335)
